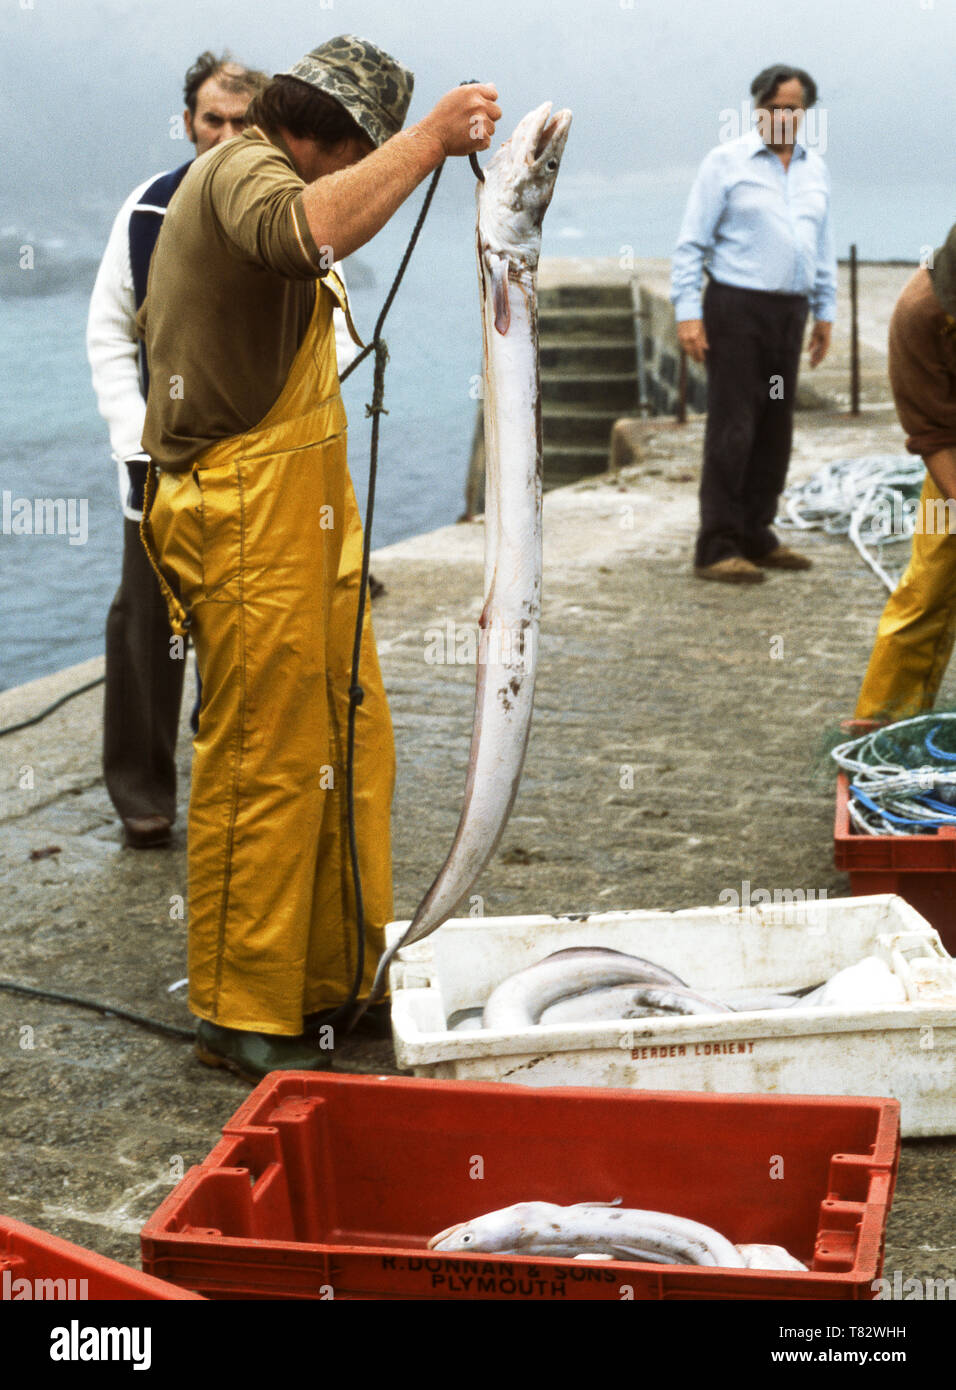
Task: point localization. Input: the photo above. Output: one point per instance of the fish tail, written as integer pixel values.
(378, 987)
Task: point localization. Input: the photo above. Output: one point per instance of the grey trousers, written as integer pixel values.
(144, 687)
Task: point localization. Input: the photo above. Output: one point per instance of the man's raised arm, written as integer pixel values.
(345, 210)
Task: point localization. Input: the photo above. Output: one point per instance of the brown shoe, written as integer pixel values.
(783, 558)
(734, 570)
(147, 832)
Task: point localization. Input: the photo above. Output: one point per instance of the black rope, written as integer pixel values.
(376, 409)
(154, 1025)
(35, 719)
(473, 158)
(356, 694)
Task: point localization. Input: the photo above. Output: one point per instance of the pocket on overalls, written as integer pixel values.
(220, 491)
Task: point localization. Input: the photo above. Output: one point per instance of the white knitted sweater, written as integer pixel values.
(113, 348)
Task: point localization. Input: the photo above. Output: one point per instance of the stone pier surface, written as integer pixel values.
(639, 665)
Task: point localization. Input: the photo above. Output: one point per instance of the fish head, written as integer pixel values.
(496, 1230)
(518, 185)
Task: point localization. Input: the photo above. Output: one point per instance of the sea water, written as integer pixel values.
(55, 591)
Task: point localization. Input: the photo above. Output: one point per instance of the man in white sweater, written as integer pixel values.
(145, 663)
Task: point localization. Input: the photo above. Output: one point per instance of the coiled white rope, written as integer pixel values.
(873, 500)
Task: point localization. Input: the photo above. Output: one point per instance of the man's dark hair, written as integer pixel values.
(293, 105)
(764, 86)
(233, 76)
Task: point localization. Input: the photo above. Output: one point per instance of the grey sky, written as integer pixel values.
(88, 88)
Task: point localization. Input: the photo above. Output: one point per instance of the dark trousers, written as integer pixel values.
(755, 339)
(144, 688)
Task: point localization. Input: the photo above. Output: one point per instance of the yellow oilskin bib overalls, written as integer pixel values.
(914, 639)
(260, 544)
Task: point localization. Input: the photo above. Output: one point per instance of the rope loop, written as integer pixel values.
(350, 1010)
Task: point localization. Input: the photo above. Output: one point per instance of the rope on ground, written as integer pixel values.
(903, 776)
(35, 718)
(154, 1025)
(874, 500)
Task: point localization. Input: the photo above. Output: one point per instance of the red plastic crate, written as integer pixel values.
(329, 1186)
(64, 1268)
(920, 868)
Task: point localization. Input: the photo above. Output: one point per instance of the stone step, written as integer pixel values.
(610, 389)
(563, 463)
(588, 354)
(585, 296)
(570, 424)
(611, 325)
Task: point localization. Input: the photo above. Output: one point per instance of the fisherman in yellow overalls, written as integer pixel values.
(256, 536)
(916, 632)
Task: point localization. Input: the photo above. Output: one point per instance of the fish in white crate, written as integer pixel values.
(594, 984)
(630, 1001)
(520, 1000)
(870, 981)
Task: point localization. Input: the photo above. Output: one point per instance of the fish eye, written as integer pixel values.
(551, 164)
(466, 1240)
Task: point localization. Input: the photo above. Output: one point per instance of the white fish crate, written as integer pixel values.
(905, 1050)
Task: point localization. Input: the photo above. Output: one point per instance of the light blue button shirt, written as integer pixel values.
(759, 226)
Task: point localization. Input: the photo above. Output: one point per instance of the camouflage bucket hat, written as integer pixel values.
(374, 89)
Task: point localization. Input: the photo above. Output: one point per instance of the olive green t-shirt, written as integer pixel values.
(231, 289)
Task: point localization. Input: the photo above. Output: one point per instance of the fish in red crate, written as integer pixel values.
(605, 1231)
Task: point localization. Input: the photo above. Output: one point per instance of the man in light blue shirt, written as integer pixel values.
(758, 221)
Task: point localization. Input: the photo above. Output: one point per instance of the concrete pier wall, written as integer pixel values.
(659, 355)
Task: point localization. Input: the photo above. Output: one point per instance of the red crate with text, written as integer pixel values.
(35, 1265)
(329, 1187)
(920, 868)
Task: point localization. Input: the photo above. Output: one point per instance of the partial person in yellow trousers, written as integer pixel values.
(916, 632)
(257, 538)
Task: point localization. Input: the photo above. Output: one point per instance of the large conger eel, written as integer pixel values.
(512, 201)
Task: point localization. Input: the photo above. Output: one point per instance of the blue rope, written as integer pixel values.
(934, 750)
(898, 820)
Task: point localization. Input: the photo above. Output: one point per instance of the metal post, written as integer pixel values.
(854, 338)
(682, 390)
(475, 482)
(643, 404)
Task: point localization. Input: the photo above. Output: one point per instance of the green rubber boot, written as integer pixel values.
(253, 1055)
